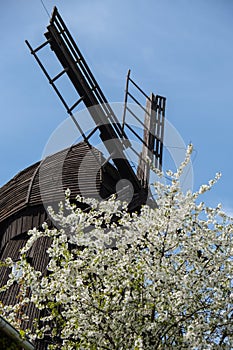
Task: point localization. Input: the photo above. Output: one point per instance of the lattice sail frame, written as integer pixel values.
(153, 126)
(106, 122)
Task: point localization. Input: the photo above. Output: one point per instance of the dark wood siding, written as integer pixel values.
(24, 188)
(22, 207)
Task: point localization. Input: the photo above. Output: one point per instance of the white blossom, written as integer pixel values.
(158, 279)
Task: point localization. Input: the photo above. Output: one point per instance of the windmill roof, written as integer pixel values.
(77, 168)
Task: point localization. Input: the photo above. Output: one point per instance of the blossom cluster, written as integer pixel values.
(157, 279)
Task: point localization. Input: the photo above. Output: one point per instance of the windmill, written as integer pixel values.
(21, 204)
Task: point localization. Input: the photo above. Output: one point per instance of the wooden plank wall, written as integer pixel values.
(24, 188)
(21, 207)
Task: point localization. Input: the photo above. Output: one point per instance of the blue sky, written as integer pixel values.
(177, 48)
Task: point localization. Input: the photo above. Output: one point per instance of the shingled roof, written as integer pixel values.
(65, 169)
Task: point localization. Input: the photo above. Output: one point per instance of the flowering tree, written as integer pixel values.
(160, 279)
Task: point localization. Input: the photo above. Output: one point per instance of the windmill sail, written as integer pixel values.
(153, 128)
(89, 92)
